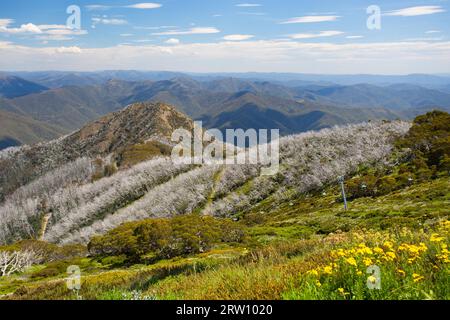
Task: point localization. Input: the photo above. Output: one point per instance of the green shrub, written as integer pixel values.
(166, 238)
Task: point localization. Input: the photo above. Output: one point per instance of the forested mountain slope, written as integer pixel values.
(60, 183)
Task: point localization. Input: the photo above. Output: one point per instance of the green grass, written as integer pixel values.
(286, 240)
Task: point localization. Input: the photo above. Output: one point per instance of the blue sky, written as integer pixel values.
(226, 35)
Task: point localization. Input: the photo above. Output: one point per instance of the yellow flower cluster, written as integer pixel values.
(444, 254)
(388, 250)
(413, 251)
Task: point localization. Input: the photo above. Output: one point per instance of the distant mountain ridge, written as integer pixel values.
(12, 87)
(222, 102)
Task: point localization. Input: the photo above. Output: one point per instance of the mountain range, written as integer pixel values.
(61, 102)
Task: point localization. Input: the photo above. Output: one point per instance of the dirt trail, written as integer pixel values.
(44, 224)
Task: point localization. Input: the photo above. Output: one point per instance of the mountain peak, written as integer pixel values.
(137, 123)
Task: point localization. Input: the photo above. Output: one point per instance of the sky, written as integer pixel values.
(323, 37)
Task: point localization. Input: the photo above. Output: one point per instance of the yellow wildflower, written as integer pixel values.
(378, 250)
(436, 238)
(313, 272)
(391, 255)
(318, 284)
(351, 261)
(328, 270)
(417, 277)
(372, 279)
(367, 262)
(388, 244)
(401, 272)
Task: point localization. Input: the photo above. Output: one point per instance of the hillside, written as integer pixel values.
(149, 191)
(290, 237)
(107, 138)
(17, 130)
(11, 86)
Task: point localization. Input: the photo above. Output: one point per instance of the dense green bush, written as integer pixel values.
(166, 238)
(428, 147)
(429, 141)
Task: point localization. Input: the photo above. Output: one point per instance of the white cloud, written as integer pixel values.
(68, 50)
(262, 55)
(126, 34)
(55, 38)
(354, 37)
(423, 39)
(51, 26)
(145, 5)
(238, 37)
(107, 21)
(65, 31)
(46, 32)
(416, 11)
(154, 28)
(173, 41)
(321, 34)
(24, 28)
(6, 22)
(248, 5)
(97, 7)
(197, 30)
(432, 31)
(310, 19)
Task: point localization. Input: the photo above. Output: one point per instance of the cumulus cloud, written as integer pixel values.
(416, 11)
(24, 28)
(238, 37)
(196, 30)
(310, 19)
(330, 33)
(45, 32)
(173, 41)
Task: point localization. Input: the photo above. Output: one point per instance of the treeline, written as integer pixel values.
(155, 239)
(424, 153)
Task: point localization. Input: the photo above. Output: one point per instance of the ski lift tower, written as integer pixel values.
(341, 182)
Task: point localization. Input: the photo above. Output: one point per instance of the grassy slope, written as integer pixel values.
(26, 130)
(285, 241)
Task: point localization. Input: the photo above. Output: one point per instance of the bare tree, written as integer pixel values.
(16, 261)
